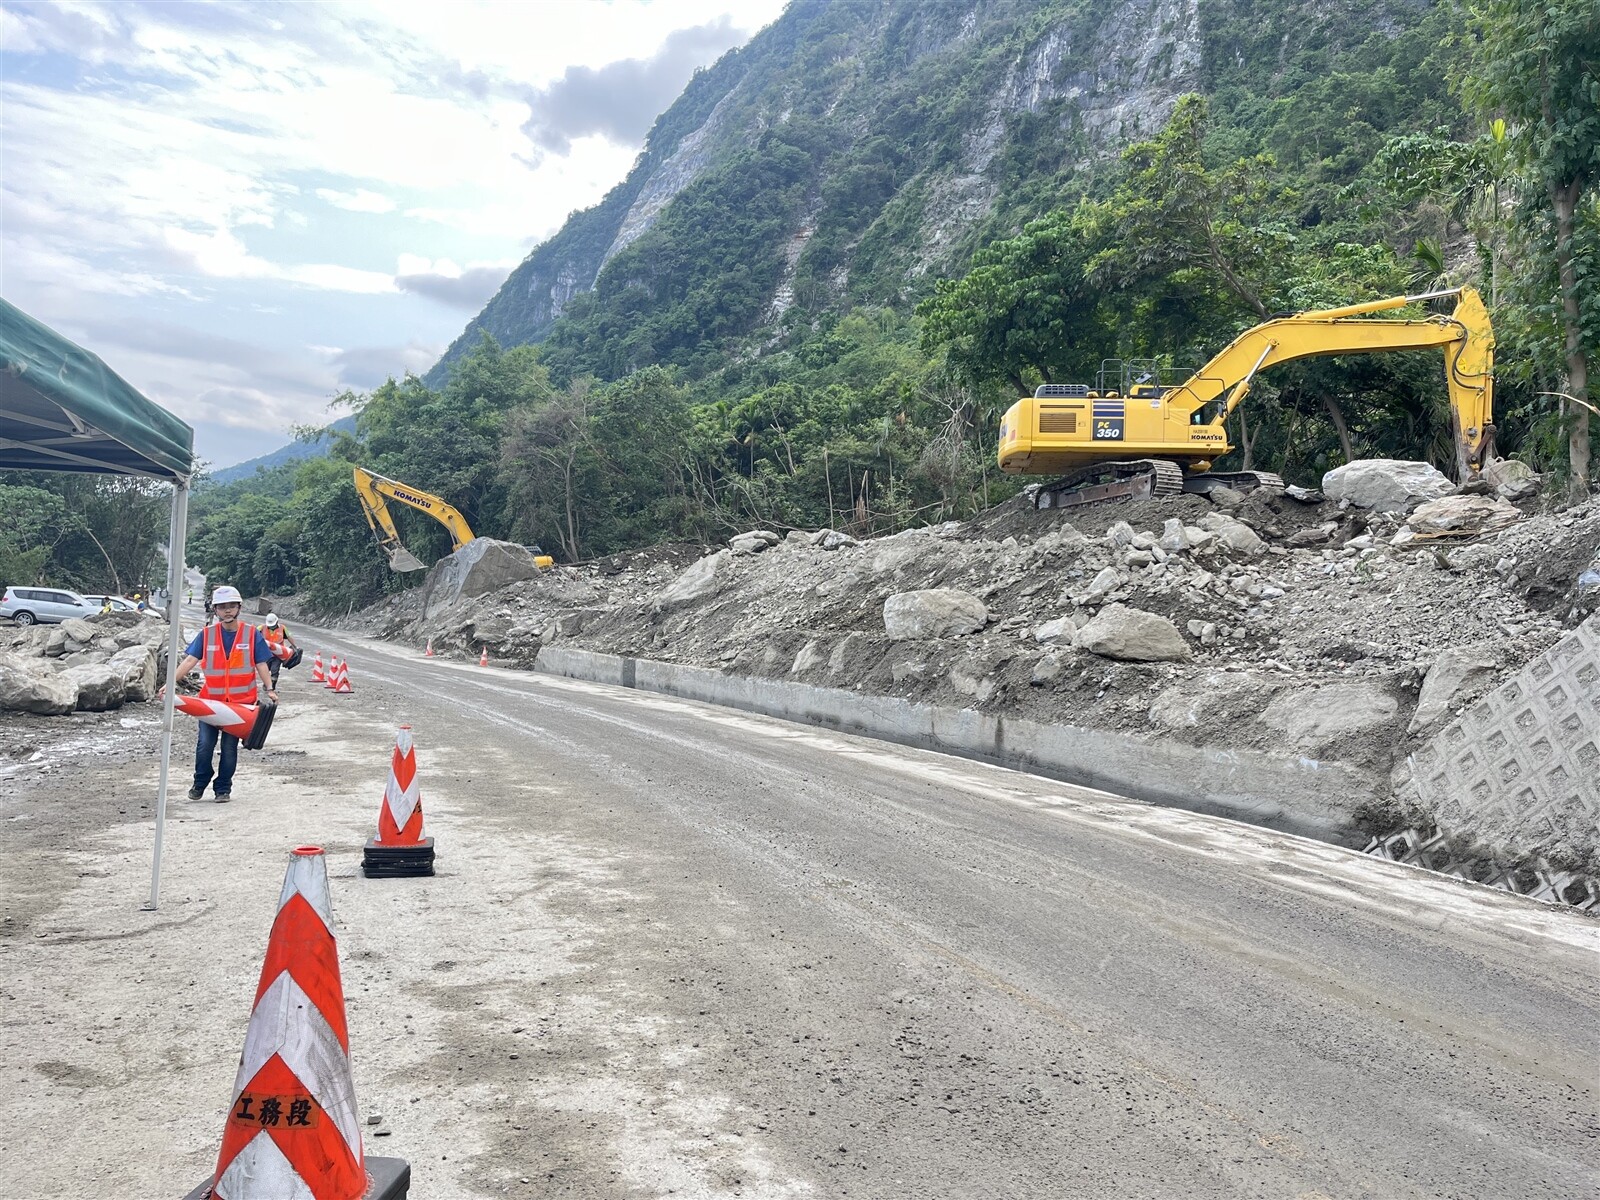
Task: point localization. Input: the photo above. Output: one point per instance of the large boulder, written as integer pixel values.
(137, 666)
(1312, 718)
(1385, 484)
(1462, 516)
(46, 693)
(99, 687)
(1132, 635)
(933, 612)
(79, 630)
(699, 580)
(481, 566)
(1452, 673)
(753, 542)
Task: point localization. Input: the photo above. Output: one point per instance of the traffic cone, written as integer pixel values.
(400, 848)
(428, 653)
(331, 680)
(483, 657)
(293, 1128)
(341, 685)
(237, 719)
(317, 675)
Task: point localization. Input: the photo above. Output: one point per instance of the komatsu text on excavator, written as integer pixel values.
(371, 489)
(1133, 437)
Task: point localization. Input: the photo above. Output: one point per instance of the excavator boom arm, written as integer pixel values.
(372, 488)
(1465, 336)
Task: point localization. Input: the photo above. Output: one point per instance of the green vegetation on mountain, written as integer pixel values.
(894, 219)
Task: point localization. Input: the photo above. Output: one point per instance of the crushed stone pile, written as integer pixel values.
(1289, 622)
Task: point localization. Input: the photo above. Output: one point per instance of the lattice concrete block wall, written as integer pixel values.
(1520, 769)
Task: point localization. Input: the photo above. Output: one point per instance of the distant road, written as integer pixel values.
(834, 967)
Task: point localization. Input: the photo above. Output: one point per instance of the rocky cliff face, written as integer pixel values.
(922, 125)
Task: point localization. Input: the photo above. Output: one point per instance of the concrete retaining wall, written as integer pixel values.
(1300, 795)
(1520, 770)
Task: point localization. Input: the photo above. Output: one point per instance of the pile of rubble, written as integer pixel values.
(1335, 625)
(89, 664)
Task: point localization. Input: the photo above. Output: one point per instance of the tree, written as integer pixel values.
(1536, 63)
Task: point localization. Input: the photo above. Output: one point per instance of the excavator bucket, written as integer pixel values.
(401, 559)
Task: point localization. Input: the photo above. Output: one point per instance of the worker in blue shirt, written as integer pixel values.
(234, 658)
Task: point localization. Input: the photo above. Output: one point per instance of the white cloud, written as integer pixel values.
(204, 156)
(359, 200)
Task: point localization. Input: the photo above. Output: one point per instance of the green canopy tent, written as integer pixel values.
(62, 409)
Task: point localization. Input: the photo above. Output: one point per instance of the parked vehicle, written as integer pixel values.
(118, 603)
(44, 606)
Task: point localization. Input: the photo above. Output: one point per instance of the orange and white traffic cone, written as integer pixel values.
(400, 848)
(483, 657)
(341, 685)
(317, 673)
(428, 653)
(293, 1128)
(237, 719)
(332, 679)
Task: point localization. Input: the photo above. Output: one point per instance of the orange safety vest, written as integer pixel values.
(275, 638)
(229, 676)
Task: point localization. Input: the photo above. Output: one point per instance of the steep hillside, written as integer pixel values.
(852, 151)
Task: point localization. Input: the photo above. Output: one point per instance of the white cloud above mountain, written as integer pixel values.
(274, 180)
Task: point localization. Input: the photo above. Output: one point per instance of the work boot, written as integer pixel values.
(196, 792)
(224, 797)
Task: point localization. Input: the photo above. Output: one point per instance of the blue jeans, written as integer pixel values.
(203, 749)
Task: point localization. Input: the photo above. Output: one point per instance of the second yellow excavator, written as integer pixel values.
(1132, 437)
(372, 488)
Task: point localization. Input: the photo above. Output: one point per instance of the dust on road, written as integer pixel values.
(677, 950)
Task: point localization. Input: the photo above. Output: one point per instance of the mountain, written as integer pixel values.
(293, 452)
(852, 152)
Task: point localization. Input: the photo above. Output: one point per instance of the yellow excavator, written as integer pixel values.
(1133, 437)
(372, 488)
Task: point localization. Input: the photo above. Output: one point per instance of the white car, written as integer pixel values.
(44, 606)
(118, 603)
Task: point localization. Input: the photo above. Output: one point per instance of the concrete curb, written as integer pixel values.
(1298, 795)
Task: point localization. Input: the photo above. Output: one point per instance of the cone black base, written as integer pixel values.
(390, 862)
(387, 1179)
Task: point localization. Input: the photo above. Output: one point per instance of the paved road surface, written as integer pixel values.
(676, 950)
(915, 976)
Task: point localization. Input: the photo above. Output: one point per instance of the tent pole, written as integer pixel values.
(175, 576)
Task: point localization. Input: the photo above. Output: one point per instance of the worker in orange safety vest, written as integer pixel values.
(278, 642)
(234, 658)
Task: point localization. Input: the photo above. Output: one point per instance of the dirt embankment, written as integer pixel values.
(1269, 623)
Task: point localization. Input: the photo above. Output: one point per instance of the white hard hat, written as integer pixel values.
(226, 595)
(272, 619)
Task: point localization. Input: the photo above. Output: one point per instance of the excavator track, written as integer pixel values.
(1135, 479)
(1239, 481)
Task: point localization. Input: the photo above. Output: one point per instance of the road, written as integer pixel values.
(673, 949)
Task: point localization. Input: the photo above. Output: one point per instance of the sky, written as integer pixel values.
(246, 209)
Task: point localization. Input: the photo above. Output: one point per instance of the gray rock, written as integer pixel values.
(832, 539)
(753, 542)
(1512, 478)
(1173, 538)
(1452, 673)
(1241, 539)
(971, 677)
(1305, 495)
(1130, 634)
(137, 667)
(98, 687)
(1462, 515)
(1385, 484)
(933, 612)
(1102, 584)
(42, 692)
(1225, 497)
(79, 630)
(1060, 632)
(56, 642)
(797, 537)
(699, 580)
(481, 566)
(1314, 717)
(809, 656)
(1048, 669)
(1120, 535)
